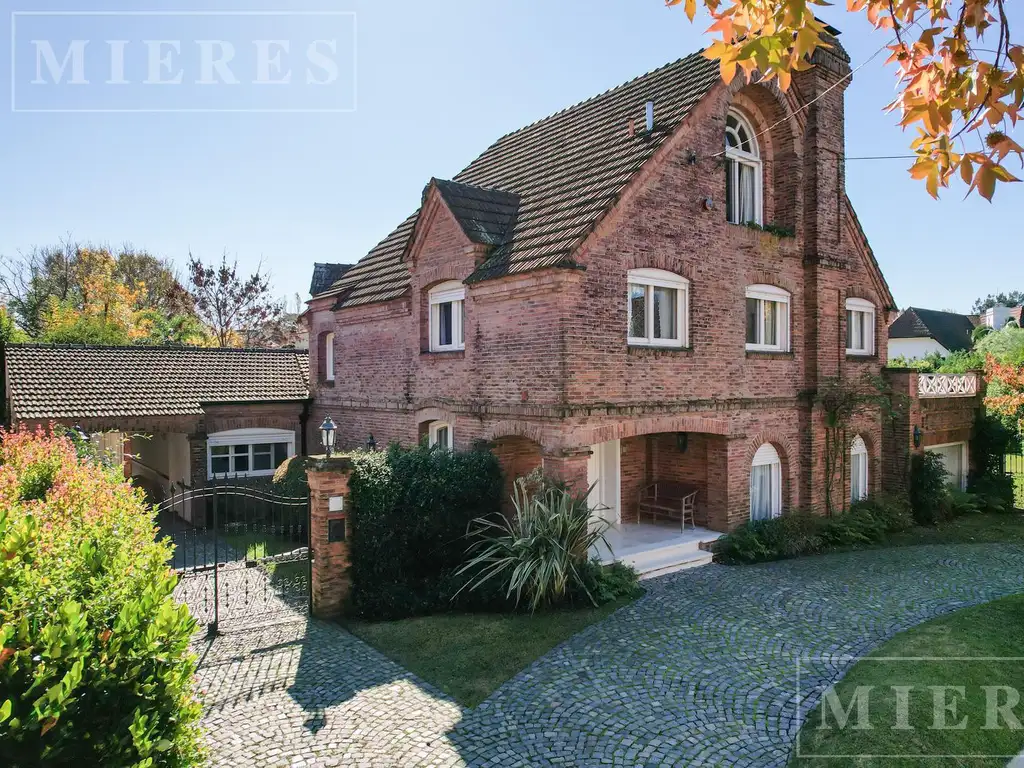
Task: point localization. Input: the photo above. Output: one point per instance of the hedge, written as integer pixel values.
(410, 514)
(865, 523)
(95, 666)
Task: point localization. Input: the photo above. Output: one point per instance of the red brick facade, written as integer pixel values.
(547, 373)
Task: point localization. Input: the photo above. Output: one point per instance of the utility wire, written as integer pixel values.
(824, 93)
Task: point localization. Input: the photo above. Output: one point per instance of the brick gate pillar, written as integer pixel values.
(329, 534)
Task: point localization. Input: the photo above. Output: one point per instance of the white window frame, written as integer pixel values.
(866, 308)
(329, 356)
(961, 482)
(455, 292)
(859, 479)
(437, 426)
(750, 159)
(763, 293)
(250, 437)
(650, 279)
(767, 456)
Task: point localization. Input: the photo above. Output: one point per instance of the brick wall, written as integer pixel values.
(546, 353)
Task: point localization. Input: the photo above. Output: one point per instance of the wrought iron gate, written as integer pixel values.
(241, 553)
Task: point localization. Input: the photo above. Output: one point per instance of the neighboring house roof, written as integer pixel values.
(951, 330)
(326, 275)
(567, 171)
(76, 381)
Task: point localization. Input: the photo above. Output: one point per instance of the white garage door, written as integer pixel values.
(954, 459)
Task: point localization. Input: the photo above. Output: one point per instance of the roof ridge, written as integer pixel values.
(161, 347)
(596, 96)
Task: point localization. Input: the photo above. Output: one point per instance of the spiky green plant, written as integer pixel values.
(540, 551)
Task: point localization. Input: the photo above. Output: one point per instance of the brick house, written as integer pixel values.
(588, 296)
(176, 416)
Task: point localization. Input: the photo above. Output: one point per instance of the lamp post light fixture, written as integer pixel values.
(327, 432)
(371, 444)
(917, 436)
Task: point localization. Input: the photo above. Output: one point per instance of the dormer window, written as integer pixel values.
(742, 172)
(447, 315)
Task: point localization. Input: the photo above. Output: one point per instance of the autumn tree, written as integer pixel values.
(236, 308)
(1010, 299)
(63, 287)
(1005, 393)
(960, 75)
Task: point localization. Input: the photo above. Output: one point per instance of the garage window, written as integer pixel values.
(248, 452)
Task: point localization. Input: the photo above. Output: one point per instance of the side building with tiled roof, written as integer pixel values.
(176, 416)
(638, 289)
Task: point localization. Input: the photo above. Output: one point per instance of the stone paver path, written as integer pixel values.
(700, 671)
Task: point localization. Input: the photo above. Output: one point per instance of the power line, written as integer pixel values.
(883, 157)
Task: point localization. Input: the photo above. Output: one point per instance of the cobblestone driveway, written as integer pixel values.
(698, 672)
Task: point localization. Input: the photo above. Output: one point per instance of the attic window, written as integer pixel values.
(860, 327)
(742, 172)
(447, 317)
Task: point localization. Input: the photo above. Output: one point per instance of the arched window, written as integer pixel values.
(742, 172)
(328, 352)
(858, 469)
(658, 308)
(767, 318)
(447, 315)
(441, 433)
(860, 327)
(766, 484)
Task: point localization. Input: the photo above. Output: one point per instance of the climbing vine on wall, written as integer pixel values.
(841, 400)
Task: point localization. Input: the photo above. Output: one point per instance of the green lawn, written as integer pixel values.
(970, 529)
(985, 631)
(469, 656)
(255, 545)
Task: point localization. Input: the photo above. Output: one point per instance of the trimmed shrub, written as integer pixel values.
(866, 523)
(290, 478)
(95, 666)
(929, 489)
(542, 552)
(411, 511)
(1018, 491)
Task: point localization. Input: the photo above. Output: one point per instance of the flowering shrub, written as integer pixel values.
(95, 666)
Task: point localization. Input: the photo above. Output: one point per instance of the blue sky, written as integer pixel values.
(436, 83)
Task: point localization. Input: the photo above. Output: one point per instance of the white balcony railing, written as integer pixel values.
(947, 384)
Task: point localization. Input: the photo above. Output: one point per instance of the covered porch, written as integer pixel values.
(663, 495)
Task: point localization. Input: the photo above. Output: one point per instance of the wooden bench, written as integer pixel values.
(674, 501)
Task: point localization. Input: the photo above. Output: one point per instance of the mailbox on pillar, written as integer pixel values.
(336, 519)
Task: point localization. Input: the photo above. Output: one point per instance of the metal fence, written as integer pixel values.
(1013, 464)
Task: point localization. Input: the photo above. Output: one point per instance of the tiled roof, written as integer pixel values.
(76, 381)
(568, 171)
(485, 215)
(326, 275)
(951, 330)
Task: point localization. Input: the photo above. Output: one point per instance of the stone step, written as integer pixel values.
(669, 565)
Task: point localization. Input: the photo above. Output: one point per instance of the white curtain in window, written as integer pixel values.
(761, 493)
(858, 469)
(747, 194)
(765, 484)
(665, 313)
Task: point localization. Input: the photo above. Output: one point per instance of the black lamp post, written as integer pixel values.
(371, 444)
(327, 431)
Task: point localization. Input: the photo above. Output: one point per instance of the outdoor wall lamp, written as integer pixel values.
(917, 437)
(682, 441)
(327, 432)
(371, 444)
